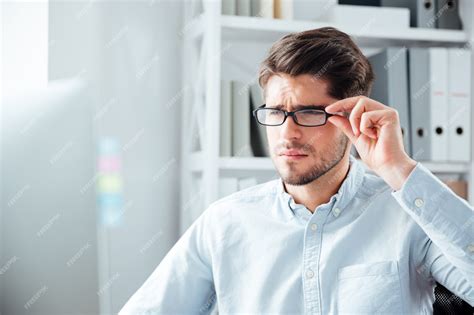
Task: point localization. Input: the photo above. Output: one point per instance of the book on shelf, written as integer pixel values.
(262, 8)
(241, 143)
(229, 7)
(244, 7)
(283, 9)
(240, 134)
(225, 143)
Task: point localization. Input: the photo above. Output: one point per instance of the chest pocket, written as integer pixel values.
(369, 289)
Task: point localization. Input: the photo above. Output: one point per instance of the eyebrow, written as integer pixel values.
(297, 107)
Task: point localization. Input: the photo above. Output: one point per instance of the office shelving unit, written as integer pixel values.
(210, 37)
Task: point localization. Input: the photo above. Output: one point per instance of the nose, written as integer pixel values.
(290, 130)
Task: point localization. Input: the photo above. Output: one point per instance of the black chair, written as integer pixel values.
(446, 303)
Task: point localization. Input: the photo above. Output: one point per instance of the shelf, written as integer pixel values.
(268, 30)
(208, 36)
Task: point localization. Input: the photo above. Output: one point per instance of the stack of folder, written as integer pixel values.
(430, 88)
(259, 8)
(241, 135)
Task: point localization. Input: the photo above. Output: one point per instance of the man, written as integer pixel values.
(326, 237)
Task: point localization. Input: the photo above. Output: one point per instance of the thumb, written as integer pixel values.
(343, 124)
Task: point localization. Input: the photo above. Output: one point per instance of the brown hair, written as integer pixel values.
(327, 53)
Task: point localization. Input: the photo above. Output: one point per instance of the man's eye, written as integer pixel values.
(311, 112)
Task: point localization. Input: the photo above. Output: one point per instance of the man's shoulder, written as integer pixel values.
(251, 193)
(241, 204)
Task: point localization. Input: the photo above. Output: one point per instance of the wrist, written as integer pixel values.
(396, 174)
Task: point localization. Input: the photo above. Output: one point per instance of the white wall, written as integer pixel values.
(130, 52)
(24, 28)
(19, 68)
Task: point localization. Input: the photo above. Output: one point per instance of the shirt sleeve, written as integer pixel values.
(183, 282)
(448, 221)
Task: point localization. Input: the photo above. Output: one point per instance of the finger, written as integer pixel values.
(343, 124)
(367, 127)
(344, 105)
(356, 114)
(371, 121)
(347, 104)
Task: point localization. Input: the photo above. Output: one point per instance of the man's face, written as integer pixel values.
(321, 147)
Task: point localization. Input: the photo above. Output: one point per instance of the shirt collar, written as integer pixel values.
(346, 192)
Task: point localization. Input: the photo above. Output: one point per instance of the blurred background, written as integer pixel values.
(90, 151)
(121, 121)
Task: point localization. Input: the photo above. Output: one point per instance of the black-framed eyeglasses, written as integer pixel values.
(312, 116)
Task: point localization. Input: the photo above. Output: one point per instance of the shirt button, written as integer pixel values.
(419, 202)
(314, 226)
(309, 274)
(336, 211)
(470, 248)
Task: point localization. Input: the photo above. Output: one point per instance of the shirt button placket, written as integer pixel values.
(311, 262)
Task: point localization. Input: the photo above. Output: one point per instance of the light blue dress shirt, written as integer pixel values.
(368, 250)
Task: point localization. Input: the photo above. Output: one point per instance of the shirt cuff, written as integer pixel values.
(421, 190)
(429, 200)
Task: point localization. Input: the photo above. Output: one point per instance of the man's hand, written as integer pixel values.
(375, 131)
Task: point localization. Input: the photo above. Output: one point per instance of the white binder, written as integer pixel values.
(225, 138)
(428, 103)
(262, 8)
(229, 7)
(241, 145)
(391, 86)
(243, 7)
(439, 103)
(459, 126)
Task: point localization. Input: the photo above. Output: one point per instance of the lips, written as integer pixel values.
(293, 153)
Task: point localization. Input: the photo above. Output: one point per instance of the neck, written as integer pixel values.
(321, 189)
